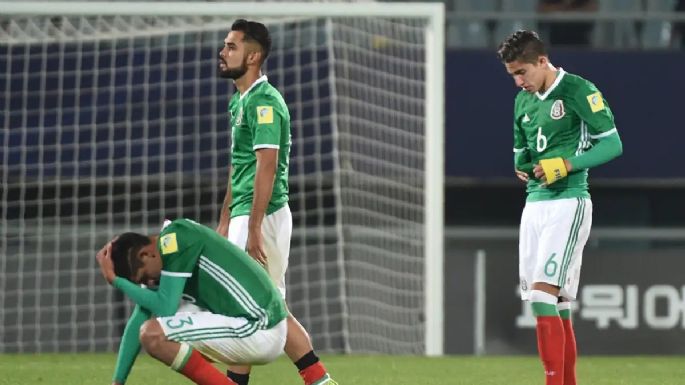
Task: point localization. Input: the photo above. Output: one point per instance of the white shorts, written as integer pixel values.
(277, 229)
(225, 339)
(551, 241)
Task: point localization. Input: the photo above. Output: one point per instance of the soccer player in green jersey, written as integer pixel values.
(234, 313)
(562, 127)
(255, 215)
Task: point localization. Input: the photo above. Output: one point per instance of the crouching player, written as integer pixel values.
(238, 317)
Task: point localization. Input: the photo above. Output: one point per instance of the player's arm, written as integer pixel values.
(591, 107)
(603, 150)
(130, 345)
(266, 125)
(267, 159)
(225, 215)
(162, 302)
(178, 267)
(523, 165)
(606, 142)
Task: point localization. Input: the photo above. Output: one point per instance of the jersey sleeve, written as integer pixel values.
(162, 302)
(265, 119)
(180, 249)
(594, 110)
(522, 161)
(130, 344)
(520, 144)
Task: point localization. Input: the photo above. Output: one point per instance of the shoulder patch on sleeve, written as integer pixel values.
(595, 101)
(265, 114)
(169, 244)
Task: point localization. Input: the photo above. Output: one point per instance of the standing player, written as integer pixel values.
(255, 214)
(238, 316)
(562, 127)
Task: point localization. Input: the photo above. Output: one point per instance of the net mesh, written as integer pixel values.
(115, 123)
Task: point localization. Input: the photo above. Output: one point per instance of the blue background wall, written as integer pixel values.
(644, 90)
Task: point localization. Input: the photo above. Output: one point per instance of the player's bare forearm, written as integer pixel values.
(226, 206)
(225, 214)
(263, 186)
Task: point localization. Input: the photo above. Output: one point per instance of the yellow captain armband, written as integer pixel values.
(554, 169)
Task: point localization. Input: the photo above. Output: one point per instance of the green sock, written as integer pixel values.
(541, 309)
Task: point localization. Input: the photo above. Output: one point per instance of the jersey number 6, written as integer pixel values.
(541, 141)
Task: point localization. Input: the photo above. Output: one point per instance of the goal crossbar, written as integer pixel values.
(433, 11)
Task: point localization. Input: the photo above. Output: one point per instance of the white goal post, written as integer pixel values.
(407, 206)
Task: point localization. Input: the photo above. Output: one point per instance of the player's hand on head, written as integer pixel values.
(255, 247)
(104, 258)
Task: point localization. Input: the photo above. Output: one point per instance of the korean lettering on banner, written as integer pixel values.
(607, 303)
(658, 306)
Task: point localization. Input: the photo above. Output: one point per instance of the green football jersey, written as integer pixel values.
(259, 119)
(563, 122)
(221, 278)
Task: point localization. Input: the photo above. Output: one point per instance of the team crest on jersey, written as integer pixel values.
(557, 112)
(239, 118)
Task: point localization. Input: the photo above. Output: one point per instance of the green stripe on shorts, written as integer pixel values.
(572, 241)
(215, 332)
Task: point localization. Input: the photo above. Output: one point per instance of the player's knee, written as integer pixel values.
(151, 335)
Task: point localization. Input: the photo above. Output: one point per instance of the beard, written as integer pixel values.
(233, 73)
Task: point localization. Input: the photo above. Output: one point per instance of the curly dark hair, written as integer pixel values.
(125, 254)
(522, 45)
(254, 32)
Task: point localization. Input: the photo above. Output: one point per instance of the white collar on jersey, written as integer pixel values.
(554, 85)
(263, 78)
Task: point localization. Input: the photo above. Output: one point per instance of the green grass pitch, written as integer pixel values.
(89, 369)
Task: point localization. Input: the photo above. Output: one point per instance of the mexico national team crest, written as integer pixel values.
(557, 112)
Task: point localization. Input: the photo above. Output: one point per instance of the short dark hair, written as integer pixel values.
(522, 45)
(254, 31)
(125, 254)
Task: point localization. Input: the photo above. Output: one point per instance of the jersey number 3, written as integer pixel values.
(180, 323)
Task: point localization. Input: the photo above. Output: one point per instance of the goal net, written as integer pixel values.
(114, 119)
